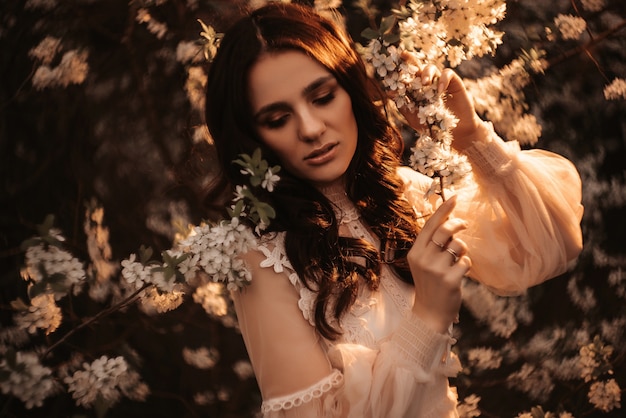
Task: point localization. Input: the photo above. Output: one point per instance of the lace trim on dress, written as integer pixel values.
(345, 211)
(294, 400)
(391, 286)
(276, 258)
(421, 345)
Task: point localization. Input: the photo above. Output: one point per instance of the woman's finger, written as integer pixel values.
(441, 214)
(445, 232)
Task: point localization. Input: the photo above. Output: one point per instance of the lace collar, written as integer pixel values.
(345, 211)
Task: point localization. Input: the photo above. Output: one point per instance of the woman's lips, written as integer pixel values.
(322, 155)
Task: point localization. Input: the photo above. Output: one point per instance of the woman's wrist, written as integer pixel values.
(466, 136)
(431, 319)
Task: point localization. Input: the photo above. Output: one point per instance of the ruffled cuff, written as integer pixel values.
(316, 391)
(493, 157)
(420, 345)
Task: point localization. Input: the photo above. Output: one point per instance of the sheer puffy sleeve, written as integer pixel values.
(524, 211)
(302, 375)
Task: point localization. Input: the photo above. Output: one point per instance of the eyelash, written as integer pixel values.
(322, 100)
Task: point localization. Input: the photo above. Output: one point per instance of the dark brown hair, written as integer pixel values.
(320, 257)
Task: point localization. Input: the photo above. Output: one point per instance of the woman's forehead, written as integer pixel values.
(282, 76)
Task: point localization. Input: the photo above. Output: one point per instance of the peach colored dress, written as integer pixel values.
(524, 212)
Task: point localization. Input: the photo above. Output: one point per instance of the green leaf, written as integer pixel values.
(256, 157)
(44, 228)
(30, 242)
(387, 23)
(236, 211)
(255, 181)
(369, 33)
(145, 254)
(391, 38)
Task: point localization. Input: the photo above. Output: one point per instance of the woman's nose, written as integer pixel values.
(311, 125)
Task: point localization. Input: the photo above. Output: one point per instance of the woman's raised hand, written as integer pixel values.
(457, 99)
(438, 262)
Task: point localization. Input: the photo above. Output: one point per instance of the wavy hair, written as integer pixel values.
(323, 260)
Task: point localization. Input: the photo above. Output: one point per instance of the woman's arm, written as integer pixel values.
(524, 212)
(522, 208)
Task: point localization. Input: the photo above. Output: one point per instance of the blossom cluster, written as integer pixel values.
(26, 378)
(451, 31)
(447, 32)
(72, 69)
(570, 27)
(500, 97)
(105, 379)
(431, 153)
(435, 33)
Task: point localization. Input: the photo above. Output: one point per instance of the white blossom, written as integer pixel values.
(605, 396)
(593, 5)
(468, 408)
(72, 69)
(155, 27)
(501, 314)
(583, 298)
(27, 379)
(46, 50)
(616, 89)
(210, 296)
(43, 313)
(243, 369)
(484, 358)
(535, 381)
(195, 86)
(270, 180)
(43, 261)
(154, 301)
(570, 26)
(217, 248)
(135, 273)
(188, 51)
(107, 378)
(202, 358)
(204, 398)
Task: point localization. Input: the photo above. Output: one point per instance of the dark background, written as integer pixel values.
(124, 136)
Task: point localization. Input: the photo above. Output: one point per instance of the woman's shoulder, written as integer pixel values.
(269, 252)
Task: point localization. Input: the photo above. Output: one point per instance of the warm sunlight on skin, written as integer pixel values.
(304, 115)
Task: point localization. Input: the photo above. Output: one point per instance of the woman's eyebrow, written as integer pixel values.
(317, 84)
(306, 91)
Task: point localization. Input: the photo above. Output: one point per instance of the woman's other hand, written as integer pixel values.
(438, 262)
(457, 100)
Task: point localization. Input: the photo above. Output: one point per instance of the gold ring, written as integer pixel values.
(438, 244)
(454, 254)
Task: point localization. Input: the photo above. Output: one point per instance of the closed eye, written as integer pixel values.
(325, 98)
(275, 122)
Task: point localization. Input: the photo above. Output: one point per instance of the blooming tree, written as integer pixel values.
(91, 324)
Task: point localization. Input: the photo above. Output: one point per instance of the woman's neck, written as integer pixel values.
(344, 208)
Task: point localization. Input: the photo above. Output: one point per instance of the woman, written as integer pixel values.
(353, 294)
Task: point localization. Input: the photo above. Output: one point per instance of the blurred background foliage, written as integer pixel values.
(124, 138)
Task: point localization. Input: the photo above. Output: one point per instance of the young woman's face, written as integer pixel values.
(304, 115)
